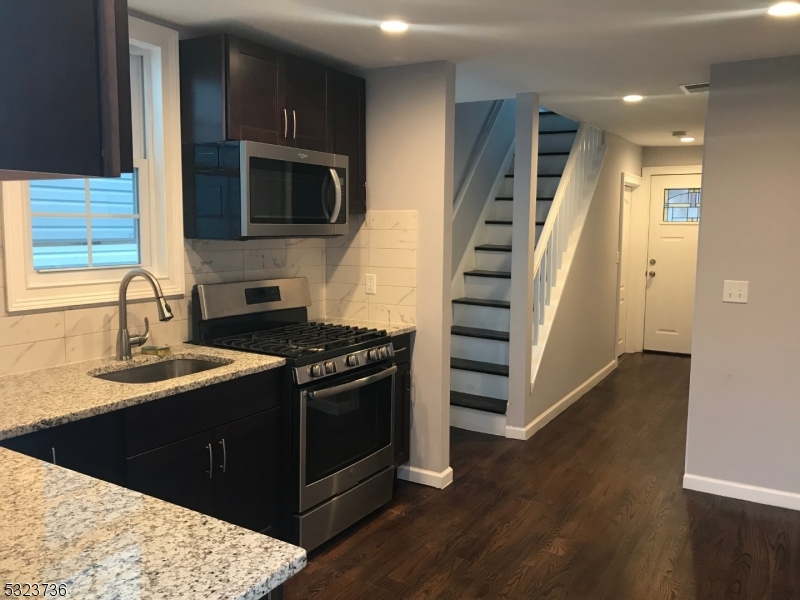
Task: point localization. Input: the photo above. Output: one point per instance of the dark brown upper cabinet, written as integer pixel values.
(233, 89)
(65, 100)
(350, 134)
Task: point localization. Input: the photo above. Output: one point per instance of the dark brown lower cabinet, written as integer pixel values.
(230, 472)
(402, 414)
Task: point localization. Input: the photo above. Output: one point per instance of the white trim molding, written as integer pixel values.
(425, 477)
(477, 420)
(742, 491)
(29, 291)
(527, 432)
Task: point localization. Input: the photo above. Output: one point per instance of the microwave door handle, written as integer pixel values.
(352, 385)
(337, 183)
(324, 198)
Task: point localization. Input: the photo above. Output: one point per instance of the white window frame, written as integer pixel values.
(161, 195)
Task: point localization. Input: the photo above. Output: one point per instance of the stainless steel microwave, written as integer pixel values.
(240, 190)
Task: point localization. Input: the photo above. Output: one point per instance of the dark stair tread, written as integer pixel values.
(479, 367)
(485, 334)
(496, 274)
(549, 174)
(553, 153)
(498, 222)
(493, 248)
(483, 302)
(484, 403)
(547, 113)
(557, 131)
(511, 198)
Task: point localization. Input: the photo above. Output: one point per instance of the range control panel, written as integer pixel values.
(342, 364)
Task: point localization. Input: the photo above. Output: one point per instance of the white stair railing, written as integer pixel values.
(570, 204)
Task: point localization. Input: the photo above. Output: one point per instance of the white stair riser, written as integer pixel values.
(546, 186)
(542, 210)
(556, 123)
(480, 384)
(488, 288)
(552, 164)
(482, 317)
(507, 188)
(502, 210)
(558, 142)
(497, 234)
(492, 261)
(471, 348)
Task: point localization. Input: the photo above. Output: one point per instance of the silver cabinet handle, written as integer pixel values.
(224, 455)
(53, 453)
(337, 183)
(294, 117)
(210, 461)
(285, 123)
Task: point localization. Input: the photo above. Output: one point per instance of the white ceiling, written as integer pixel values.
(580, 55)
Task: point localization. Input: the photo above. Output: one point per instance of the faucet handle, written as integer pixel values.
(140, 340)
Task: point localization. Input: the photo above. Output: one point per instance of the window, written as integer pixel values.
(682, 205)
(70, 241)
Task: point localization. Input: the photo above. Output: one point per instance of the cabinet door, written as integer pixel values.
(94, 447)
(246, 477)
(66, 75)
(350, 135)
(255, 108)
(309, 108)
(180, 473)
(39, 444)
(402, 414)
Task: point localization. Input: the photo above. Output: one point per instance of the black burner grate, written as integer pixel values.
(296, 341)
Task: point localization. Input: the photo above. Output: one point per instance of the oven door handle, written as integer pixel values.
(352, 385)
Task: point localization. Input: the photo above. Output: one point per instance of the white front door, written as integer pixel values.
(622, 260)
(672, 262)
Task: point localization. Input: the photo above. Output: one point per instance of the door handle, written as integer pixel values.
(652, 273)
(285, 123)
(210, 461)
(53, 454)
(294, 118)
(652, 261)
(224, 455)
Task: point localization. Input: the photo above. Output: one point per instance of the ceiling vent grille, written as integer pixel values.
(695, 88)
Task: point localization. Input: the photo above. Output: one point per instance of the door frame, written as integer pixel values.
(639, 247)
(634, 182)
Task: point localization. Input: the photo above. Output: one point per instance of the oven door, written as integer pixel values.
(345, 434)
(287, 191)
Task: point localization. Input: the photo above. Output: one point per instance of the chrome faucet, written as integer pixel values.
(124, 339)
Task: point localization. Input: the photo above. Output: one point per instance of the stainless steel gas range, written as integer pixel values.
(338, 399)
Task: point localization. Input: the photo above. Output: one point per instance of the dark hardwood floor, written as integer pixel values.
(591, 507)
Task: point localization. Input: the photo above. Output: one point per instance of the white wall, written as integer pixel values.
(581, 341)
(672, 156)
(410, 129)
(744, 401)
(470, 119)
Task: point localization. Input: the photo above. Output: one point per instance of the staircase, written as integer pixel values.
(480, 331)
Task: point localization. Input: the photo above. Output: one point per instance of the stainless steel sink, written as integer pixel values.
(161, 371)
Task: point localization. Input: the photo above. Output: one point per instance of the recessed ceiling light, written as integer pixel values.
(633, 98)
(687, 139)
(784, 9)
(394, 26)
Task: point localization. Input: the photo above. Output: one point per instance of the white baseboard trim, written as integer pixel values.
(477, 420)
(425, 477)
(525, 433)
(742, 491)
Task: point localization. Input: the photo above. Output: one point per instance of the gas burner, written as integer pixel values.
(302, 340)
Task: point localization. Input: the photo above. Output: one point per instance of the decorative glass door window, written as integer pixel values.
(682, 205)
(85, 223)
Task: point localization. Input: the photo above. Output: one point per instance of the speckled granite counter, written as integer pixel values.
(103, 541)
(391, 329)
(49, 397)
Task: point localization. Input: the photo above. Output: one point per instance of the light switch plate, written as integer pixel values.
(372, 284)
(735, 291)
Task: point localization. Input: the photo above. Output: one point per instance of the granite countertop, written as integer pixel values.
(49, 397)
(104, 541)
(391, 329)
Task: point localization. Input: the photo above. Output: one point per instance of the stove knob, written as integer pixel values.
(352, 360)
(330, 367)
(318, 370)
(384, 352)
(373, 354)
